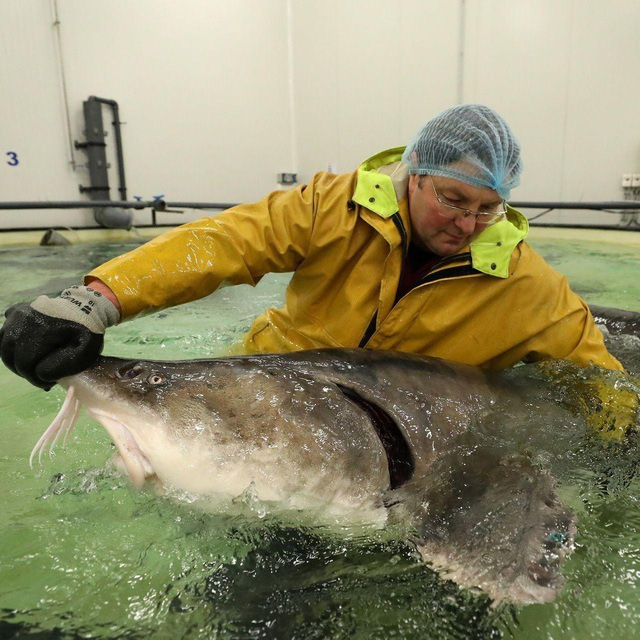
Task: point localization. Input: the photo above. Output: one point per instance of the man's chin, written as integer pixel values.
(444, 246)
(450, 247)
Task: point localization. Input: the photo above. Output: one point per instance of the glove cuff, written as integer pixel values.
(80, 304)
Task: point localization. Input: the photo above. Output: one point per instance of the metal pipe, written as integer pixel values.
(63, 81)
(150, 226)
(156, 205)
(95, 148)
(626, 205)
(81, 228)
(122, 188)
(604, 227)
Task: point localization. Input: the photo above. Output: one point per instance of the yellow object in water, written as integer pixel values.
(606, 400)
(609, 409)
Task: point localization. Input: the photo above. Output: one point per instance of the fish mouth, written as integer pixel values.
(135, 462)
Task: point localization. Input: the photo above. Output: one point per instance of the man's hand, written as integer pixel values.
(52, 338)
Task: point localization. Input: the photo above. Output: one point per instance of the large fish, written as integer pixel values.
(617, 321)
(358, 431)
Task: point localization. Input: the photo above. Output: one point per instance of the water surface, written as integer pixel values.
(82, 555)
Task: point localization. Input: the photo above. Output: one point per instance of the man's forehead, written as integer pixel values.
(464, 189)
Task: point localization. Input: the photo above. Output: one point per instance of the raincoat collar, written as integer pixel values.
(491, 251)
(382, 188)
(375, 189)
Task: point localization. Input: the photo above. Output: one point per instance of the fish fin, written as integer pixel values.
(491, 522)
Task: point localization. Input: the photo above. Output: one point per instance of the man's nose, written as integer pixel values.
(466, 224)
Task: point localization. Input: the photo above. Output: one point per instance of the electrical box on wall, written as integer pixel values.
(287, 178)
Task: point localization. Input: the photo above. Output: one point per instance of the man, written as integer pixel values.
(415, 251)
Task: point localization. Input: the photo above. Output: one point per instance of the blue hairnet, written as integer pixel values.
(468, 142)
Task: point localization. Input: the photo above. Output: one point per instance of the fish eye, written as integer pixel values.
(155, 379)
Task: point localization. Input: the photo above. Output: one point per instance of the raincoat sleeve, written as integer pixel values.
(238, 246)
(608, 405)
(568, 330)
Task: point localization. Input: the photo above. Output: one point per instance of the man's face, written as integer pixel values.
(435, 232)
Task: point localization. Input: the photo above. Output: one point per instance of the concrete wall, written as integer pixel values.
(220, 96)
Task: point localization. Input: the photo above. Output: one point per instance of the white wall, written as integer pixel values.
(367, 73)
(220, 96)
(202, 86)
(562, 73)
(31, 118)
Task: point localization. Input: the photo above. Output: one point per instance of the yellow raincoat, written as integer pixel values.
(344, 237)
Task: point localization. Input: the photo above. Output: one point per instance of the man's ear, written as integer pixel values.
(414, 183)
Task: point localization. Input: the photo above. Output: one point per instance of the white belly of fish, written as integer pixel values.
(200, 468)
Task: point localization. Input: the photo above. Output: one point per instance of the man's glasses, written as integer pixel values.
(482, 217)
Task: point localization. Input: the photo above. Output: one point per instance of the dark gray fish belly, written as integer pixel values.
(617, 321)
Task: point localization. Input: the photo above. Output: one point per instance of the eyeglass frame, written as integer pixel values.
(494, 217)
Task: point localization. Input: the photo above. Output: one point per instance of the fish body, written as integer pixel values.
(354, 431)
(617, 321)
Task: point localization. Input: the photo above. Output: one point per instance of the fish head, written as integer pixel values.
(219, 426)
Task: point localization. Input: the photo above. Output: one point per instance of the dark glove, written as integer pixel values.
(52, 338)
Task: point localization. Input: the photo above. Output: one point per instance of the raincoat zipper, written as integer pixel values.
(429, 278)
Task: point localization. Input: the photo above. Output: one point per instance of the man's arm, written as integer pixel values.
(102, 288)
(567, 330)
(238, 246)
(52, 338)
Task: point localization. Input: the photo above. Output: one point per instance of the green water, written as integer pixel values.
(82, 555)
(603, 274)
